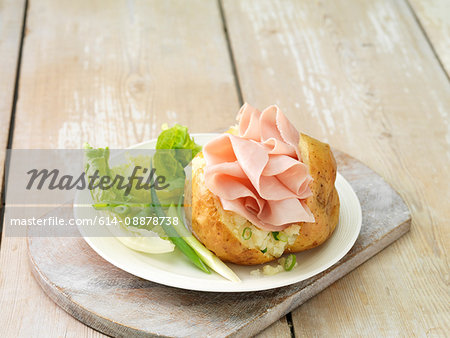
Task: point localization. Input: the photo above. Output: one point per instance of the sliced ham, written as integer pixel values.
(259, 173)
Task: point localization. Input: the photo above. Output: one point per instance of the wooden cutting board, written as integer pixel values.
(119, 304)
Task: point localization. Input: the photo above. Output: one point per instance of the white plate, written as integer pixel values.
(175, 270)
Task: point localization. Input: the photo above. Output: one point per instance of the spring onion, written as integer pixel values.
(246, 233)
(280, 236)
(264, 251)
(205, 255)
(173, 235)
(100, 206)
(290, 261)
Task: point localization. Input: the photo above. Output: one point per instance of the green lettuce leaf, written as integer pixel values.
(114, 201)
(174, 150)
(178, 137)
(98, 159)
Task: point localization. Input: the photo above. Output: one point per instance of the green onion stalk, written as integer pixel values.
(206, 255)
(179, 242)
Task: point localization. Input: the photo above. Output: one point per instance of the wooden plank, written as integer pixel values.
(279, 329)
(434, 16)
(11, 19)
(83, 283)
(109, 73)
(363, 78)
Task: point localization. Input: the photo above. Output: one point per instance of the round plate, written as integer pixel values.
(173, 269)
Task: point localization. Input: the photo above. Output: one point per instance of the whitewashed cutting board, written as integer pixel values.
(119, 304)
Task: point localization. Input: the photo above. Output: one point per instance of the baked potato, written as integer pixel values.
(222, 231)
(324, 203)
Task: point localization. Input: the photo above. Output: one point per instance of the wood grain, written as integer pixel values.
(86, 286)
(279, 329)
(363, 78)
(109, 73)
(434, 16)
(11, 19)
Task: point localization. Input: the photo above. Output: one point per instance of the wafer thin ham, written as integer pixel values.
(259, 173)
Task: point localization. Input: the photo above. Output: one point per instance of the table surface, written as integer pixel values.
(371, 77)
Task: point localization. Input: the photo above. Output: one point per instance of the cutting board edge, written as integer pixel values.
(77, 311)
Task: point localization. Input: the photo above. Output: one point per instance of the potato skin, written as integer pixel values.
(324, 203)
(208, 225)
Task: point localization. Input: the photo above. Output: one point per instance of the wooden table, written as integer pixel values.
(371, 77)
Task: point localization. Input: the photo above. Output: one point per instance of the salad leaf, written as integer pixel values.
(174, 150)
(98, 160)
(136, 196)
(178, 137)
(114, 200)
(136, 205)
(167, 165)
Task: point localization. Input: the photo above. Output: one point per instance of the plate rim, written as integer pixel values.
(192, 283)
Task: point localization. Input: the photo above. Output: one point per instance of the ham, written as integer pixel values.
(259, 173)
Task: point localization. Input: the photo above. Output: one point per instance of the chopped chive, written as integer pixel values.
(264, 251)
(283, 237)
(280, 236)
(247, 233)
(290, 262)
